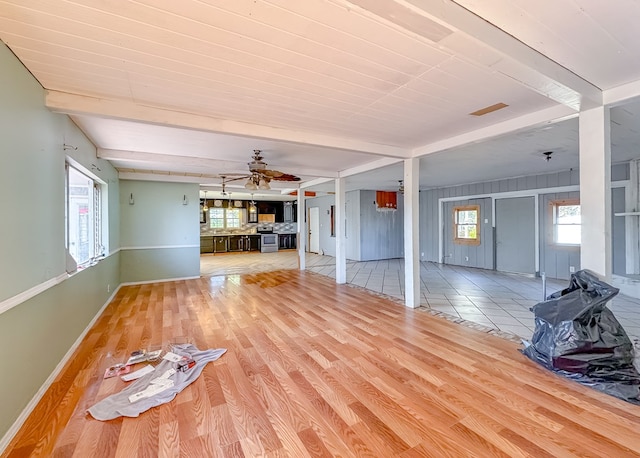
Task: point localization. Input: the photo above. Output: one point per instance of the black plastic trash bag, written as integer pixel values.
(577, 336)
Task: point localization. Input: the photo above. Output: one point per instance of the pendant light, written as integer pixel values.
(205, 208)
(253, 210)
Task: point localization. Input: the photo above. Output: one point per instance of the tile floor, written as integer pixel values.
(493, 299)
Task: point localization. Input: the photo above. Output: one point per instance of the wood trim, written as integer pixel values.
(461, 241)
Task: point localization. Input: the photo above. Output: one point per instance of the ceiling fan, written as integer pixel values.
(259, 176)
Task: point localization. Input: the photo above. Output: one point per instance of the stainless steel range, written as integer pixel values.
(268, 240)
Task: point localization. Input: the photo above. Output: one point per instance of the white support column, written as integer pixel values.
(341, 253)
(595, 191)
(302, 230)
(632, 230)
(411, 240)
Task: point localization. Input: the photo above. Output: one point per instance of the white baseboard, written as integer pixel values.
(161, 280)
(15, 427)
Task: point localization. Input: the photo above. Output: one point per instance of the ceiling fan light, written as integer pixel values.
(264, 185)
(250, 185)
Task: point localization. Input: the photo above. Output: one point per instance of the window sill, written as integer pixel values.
(86, 265)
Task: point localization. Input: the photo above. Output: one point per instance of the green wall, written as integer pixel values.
(160, 236)
(37, 333)
(156, 238)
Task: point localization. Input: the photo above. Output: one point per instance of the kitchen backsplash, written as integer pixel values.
(248, 228)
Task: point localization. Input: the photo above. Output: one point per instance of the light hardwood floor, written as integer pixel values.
(316, 369)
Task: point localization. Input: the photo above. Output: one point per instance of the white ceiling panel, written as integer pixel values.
(594, 39)
(326, 86)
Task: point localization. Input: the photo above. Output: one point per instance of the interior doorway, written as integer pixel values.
(314, 229)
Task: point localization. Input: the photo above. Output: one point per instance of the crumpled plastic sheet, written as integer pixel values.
(578, 337)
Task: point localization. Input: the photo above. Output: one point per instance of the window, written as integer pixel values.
(84, 240)
(225, 218)
(465, 224)
(234, 218)
(567, 221)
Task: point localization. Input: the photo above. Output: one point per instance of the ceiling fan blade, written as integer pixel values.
(258, 169)
(285, 177)
(272, 173)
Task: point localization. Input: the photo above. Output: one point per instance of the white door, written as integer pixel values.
(314, 229)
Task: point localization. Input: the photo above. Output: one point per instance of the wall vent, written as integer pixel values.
(490, 109)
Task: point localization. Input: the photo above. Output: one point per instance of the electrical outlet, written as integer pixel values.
(572, 269)
(109, 288)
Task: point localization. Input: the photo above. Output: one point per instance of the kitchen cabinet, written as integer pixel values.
(287, 241)
(252, 211)
(235, 242)
(229, 243)
(271, 208)
(252, 243)
(206, 244)
(220, 244)
(244, 243)
(288, 212)
(266, 207)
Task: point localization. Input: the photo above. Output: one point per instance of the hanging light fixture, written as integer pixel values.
(264, 184)
(250, 184)
(205, 208)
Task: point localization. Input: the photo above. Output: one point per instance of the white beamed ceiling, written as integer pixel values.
(324, 87)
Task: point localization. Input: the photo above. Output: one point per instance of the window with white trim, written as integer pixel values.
(226, 218)
(84, 237)
(567, 222)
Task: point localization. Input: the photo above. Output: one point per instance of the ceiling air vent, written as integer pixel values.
(490, 109)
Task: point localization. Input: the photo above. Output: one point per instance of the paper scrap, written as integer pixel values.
(170, 356)
(139, 373)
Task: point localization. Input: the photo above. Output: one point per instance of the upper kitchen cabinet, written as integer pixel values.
(252, 212)
(284, 212)
(266, 208)
(289, 213)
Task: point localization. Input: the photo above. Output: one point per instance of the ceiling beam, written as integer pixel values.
(316, 182)
(621, 94)
(379, 163)
(479, 41)
(538, 118)
(75, 104)
(172, 178)
(204, 165)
